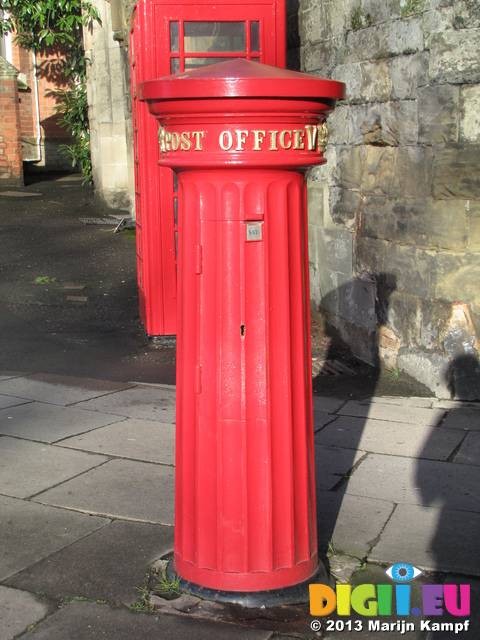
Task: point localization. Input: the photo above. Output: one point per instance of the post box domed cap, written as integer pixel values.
(240, 78)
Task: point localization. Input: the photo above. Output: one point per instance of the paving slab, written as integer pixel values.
(393, 438)
(121, 489)
(136, 439)
(30, 532)
(463, 419)
(332, 463)
(85, 620)
(146, 403)
(62, 390)
(469, 452)
(387, 411)
(401, 401)
(326, 404)
(18, 610)
(320, 419)
(443, 539)
(11, 401)
(50, 423)
(407, 480)
(110, 564)
(375, 574)
(350, 524)
(456, 404)
(474, 629)
(26, 468)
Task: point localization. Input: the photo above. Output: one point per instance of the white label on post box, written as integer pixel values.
(254, 231)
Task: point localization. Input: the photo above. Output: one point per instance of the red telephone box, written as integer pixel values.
(241, 135)
(166, 38)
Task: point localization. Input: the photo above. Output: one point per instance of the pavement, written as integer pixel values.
(87, 481)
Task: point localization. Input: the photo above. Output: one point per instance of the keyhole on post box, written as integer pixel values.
(242, 330)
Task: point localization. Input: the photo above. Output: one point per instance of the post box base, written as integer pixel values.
(294, 594)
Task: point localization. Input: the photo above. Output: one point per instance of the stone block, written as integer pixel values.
(404, 36)
(376, 81)
(322, 57)
(369, 255)
(403, 314)
(345, 205)
(429, 224)
(340, 126)
(351, 167)
(438, 113)
(408, 74)
(399, 123)
(430, 369)
(364, 45)
(323, 21)
(457, 277)
(352, 299)
(398, 172)
(388, 347)
(434, 317)
(335, 249)
(470, 113)
(467, 14)
(317, 200)
(351, 75)
(473, 213)
(454, 56)
(413, 269)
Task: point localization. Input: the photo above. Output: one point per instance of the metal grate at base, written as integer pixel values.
(330, 368)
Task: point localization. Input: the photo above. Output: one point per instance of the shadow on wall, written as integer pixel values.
(353, 312)
(464, 378)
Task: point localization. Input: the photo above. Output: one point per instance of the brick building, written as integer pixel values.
(29, 133)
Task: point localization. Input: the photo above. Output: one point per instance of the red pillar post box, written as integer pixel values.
(241, 135)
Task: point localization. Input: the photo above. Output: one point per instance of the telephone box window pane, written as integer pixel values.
(206, 37)
(174, 65)
(255, 37)
(194, 63)
(174, 38)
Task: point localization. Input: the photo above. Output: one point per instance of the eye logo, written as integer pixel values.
(402, 572)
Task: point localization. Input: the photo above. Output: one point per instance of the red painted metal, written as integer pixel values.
(240, 135)
(162, 43)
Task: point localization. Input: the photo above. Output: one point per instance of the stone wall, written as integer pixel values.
(395, 214)
(109, 110)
